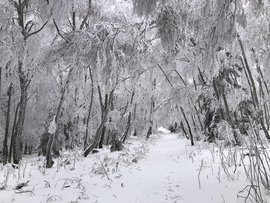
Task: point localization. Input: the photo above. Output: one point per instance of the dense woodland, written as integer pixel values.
(82, 74)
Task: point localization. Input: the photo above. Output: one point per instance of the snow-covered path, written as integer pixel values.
(166, 169)
(169, 173)
(156, 178)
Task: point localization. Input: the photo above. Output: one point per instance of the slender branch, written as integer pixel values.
(29, 35)
(162, 103)
(164, 74)
(58, 31)
(87, 15)
(189, 128)
(148, 69)
(248, 70)
(90, 107)
(181, 77)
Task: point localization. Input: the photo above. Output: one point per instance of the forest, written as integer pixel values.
(87, 75)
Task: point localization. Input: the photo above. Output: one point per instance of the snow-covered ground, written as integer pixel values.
(163, 169)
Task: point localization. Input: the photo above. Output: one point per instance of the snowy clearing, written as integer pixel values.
(164, 169)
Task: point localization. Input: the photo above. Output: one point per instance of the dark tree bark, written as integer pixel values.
(181, 78)
(125, 134)
(73, 18)
(90, 109)
(5, 144)
(100, 145)
(189, 128)
(26, 32)
(252, 86)
(229, 117)
(149, 132)
(13, 132)
(105, 108)
(199, 118)
(49, 161)
(21, 114)
(25, 148)
(84, 22)
(249, 74)
(183, 129)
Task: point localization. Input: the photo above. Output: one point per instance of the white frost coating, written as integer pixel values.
(163, 130)
(52, 127)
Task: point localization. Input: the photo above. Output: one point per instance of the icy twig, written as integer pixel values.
(199, 180)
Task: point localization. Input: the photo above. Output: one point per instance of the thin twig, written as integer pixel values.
(200, 170)
(164, 74)
(29, 35)
(58, 31)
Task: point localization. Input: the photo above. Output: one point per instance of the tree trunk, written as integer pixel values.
(105, 108)
(13, 133)
(254, 91)
(194, 123)
(149, 132)
(90, 109)
(49, 161)
(189, 128)
(25, 148)
(252, 86)
(5, 144)
(97, 137)
(267, 115)
(183, 129)
(199, 118)
(229, 117)
(125, 134)
(21, 117)
(20, 7)
(100, 145)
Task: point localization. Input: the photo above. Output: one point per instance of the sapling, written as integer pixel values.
(199, 174)
(218, 177)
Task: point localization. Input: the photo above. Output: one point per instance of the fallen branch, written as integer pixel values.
(23, 191)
